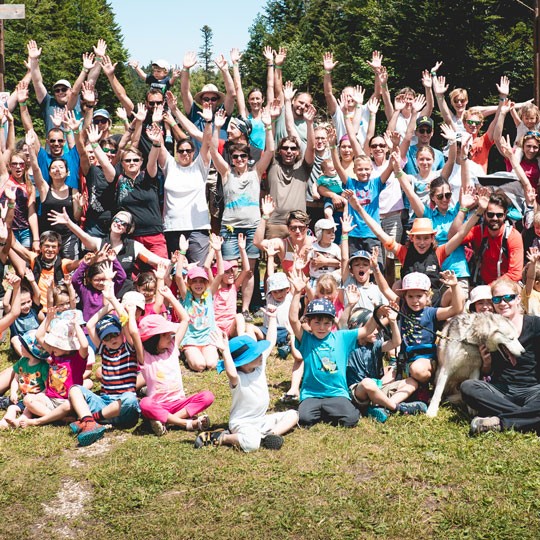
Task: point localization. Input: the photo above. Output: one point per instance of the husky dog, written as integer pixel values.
(459, 356)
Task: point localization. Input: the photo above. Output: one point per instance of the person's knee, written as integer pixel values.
(74, 392)
(421, 371)
(369, 385)
(470, 387)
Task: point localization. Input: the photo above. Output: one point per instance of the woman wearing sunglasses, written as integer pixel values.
(511, 398)
(241, 191)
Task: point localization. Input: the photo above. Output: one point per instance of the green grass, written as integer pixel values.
(409, 478)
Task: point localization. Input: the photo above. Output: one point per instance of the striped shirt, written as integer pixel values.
(119, 369)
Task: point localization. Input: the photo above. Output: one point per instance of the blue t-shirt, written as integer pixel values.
(456, 261)
(417, 341)
(411, 167)
(48, 107)
(368, 196)
(257, 136)
(73, 162)
(25, 323)
(325, 363)
(364, 362)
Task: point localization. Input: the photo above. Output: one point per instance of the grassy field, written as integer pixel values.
(411, 478)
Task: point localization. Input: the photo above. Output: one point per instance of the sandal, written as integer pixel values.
(201, 423)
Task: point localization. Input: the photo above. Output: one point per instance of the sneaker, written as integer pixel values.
(483, 424)
(379, 414)
(210, 438)
(283, 351)
(247, 316)
(272, 442)
(76, 427)
(413, 407)
(90, 433)
(259, 314)
(158, 428)
(5, 402)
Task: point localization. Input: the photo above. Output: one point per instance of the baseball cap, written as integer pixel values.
(415, 280)
(360, 254)
(197, 272)
(63, 82)
(103, 113)
(320, 306)
(424, 121)
(162, 64)
(110, 324)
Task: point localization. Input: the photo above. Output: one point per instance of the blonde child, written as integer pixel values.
(200, 351)
(165, 402)
(250, 427)
(326, 255)
(527, 119)
(531, 291)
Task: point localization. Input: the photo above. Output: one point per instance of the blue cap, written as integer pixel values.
(244, 349)
(32, 346)
(360, 254)
(320, 306)
(110, 324)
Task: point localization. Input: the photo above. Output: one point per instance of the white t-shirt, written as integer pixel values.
(332, 251)
(184, 206)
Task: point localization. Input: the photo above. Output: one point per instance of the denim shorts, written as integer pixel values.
(230, 250)
(23, 237)
(129, 406)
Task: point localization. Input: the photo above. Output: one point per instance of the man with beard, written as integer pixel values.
(497, 245)
(424, 133)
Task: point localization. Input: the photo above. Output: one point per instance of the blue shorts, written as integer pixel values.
(230, 250)
(129, 406)
(282, 335)
(23, 237)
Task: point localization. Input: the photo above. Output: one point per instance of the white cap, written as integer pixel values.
(162, 64)
(62, 82)
(324, 225)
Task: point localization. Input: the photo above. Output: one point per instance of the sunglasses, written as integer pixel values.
(132, 160)
(17, 165)
(109, 150)
(120, 222)
(287, 148)
(100, 121)
(239, 156)
(108, 337)
(185, 150)
(154, 103)
(59, 89)
(497, 215)
(378, 145)
(424, 130)
(506, 297)
(533, 133)
(299, 228)
(52, 141)
(441, 196)
(208, 99)
(474, 122)
(460, 100)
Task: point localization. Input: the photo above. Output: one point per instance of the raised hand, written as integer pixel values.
(171, 100)
(267, 206)
(426, 79)
(107, 65)
(467, 197)
(122, 114)
(399, 103)
(358, 94)
(107, 270)
(133, 63)
(271, 249)
(93, 134)
(161, 270)
(504, 87)
(506, 147)
(376, 60)
(22, 92)
(221, 62)
(34, 51)
(268, 53)
(373, 105)
(101, 48)
(309, 113)
(157, 114)
(219, 339)
(59, 218)
(190, 60)
(183, 243)
(215, 242)
(236, 55)
(483, 193)
(448, 278)
(419, 103)
(436, 67)
(374, 259)
(88, 92)
(352, 294)
(439, 85)
(448, 133)
(220, 118)
(298, 280)
(206, 113)
(280, 56)
(288, 91)
(275, 108)
(57, 117)
(141, 113)
(88, 61)
(533, 255)
(71, 121)
(328, 61)
(266, 117)
(242, 242)
(347, 224)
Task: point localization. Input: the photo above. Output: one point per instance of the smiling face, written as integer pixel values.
(255, 100)
(288, 152)
(49, 250)
(327, 237)
(422, 242)
(184, 154)
(345, 151)
(473, 124)
(98, 282)
(55, 140)
(378, 149)
(362, 169)
(26, 302)
(459, 102)
(229, 275)
(530, 147)
(321, 139)
(495, 216)
(300, 104)
(508, 307)
(297, 230)
(251, 366)
(424, 160)
(530, 120)
(131, 163)
(424, 134)
(320, 325)
(484, 306)
(61, 94)
(58, 170)
(442, 197)
(198, 286)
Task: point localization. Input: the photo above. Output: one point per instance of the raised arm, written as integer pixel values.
(269, 147)
(328, 65)
(155, 135)
(268, 54)
(220, 164)
(34, 53)
(298, 281)
(116, 85)
(187, 125)
(94, 135)
(236, 56)
(309, 116)
(190, 60)
(279, 60)
(41, 185)
(440, 87)
(230, 93)
(88, 64)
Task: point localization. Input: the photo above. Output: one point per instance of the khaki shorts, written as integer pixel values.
(388, 389)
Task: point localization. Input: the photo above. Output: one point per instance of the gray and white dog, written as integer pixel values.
(459, 357)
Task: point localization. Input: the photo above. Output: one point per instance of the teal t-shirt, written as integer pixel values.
(325, 364)
(31, 379)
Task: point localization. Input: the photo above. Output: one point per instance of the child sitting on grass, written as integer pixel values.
(324, 394)
(244, 362)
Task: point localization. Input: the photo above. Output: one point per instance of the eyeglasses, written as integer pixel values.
(120, 222)
(18, 164)
(52, 141)
(132, 160)
(299, 228)
(474, 122)
(378, 145)
(59, 89)
(497, 215)
(108, 337)
(100, 121)
(154, 103)
(109, 150)
(185, 150)
(239, 156)
(506, 297)
(441, 196)
(423, 131)
(289, 148)
(213, 99)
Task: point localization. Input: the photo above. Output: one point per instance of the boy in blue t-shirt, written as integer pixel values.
(324, 394)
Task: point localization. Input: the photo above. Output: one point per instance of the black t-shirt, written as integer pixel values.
(101, 199)
(140, 197)
(526, 371)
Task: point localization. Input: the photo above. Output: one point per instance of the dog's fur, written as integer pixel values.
(459, 356)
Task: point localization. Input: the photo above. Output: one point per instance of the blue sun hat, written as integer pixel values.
(32, 346)
(244, 349)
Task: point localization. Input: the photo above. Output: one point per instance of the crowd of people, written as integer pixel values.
(146, 246)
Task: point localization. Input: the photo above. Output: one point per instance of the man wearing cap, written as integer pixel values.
(424, 134)
(102, 119)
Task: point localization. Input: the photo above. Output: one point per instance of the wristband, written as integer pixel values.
(390, 244)
(344, 236)
(269, 65)
(358, 106)
(22, 103)
(11, 205)
(183, 252)
(99, 58)
(86, 70)
(278, 67)
(173, 123)
(530, 207)
(502, 98)
(235, 63)
(2, 244)
(463, 209)
(268, 127)
(68, 131)
(266, 217)
(326, 71)
(333, 147)
(399, 174)
(94, 145)
(156, 145)
(433, 73)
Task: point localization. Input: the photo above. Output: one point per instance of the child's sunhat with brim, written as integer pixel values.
(481, 292)
(277, 282)
(134, 298)
(422, 226)
(61, 336)
(152, 325)
(197, 272)
(32, 345)
(244, 349)
(227, 265)
(415, 280)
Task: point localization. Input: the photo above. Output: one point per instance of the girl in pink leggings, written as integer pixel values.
(166, 402)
